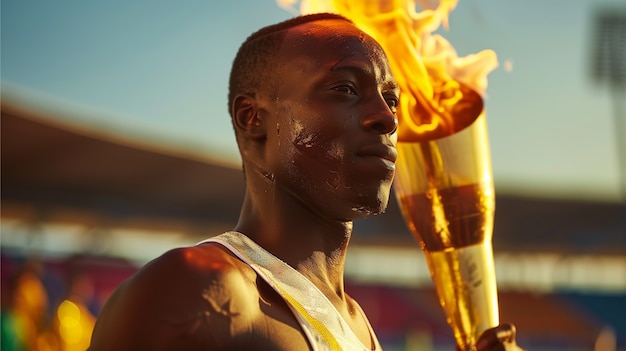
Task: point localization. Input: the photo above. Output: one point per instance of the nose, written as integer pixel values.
(380, 118)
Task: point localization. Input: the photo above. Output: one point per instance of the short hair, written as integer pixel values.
(251, 70)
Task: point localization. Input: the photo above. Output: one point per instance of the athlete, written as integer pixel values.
(313, 104)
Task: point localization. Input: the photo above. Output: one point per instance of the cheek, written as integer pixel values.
(319, 143)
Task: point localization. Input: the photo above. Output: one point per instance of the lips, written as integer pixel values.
(383, 151)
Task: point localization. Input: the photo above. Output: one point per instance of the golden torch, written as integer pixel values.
(443, 179)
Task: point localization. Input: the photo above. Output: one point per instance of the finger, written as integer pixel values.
(507, 332)
(504, 333)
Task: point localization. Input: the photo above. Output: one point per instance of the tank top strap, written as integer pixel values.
(324, 327)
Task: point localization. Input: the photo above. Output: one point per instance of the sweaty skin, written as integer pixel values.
(317, 155)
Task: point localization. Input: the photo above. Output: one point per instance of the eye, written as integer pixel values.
(345, 88)
(392, 102)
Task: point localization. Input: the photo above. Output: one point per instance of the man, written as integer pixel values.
(313, 105)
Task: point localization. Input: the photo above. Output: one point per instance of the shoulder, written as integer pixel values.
(193, 265)
(194, 296)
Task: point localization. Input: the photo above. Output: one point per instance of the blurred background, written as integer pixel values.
(117, 145)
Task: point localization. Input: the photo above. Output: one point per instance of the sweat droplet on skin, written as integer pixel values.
(335, 152)
(362, 209)
(334, 181)
(303, 140)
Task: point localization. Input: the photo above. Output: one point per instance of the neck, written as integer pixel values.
(314, 245)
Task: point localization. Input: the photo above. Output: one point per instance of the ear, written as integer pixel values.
(247, 118)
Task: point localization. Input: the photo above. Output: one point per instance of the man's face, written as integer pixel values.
(333, 146)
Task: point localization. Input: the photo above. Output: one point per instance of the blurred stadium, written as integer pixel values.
(83, 209)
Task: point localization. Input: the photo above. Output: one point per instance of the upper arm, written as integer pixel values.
(186, 299)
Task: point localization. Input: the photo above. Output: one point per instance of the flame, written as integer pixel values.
(441, 92)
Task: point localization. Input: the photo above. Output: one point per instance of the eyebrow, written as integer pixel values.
(390, 84)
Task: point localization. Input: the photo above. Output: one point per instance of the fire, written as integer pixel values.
(441, 92)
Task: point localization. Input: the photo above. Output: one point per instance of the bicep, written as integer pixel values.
(129, 322)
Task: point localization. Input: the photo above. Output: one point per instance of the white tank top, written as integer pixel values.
(322, 324)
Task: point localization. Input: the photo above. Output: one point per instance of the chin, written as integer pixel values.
(371, 208)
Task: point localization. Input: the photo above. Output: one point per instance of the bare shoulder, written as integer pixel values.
(189, 298)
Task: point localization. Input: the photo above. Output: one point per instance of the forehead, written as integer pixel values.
(325, 42)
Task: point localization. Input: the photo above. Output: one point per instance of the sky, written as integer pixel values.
(157, 70)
